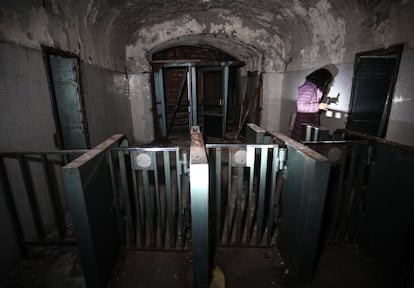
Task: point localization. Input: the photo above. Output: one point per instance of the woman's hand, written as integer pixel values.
(323, 106)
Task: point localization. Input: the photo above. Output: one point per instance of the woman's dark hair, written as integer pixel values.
(321, 78)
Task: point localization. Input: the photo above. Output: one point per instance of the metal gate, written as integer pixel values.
(153, 202)
(245, 187)
(235, 199)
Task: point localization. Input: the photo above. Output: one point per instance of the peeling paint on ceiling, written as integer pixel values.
(123, 33)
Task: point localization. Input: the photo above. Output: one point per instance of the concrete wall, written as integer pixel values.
(27, 124)
(26, 116)
(141, 108)
(401, 121)
(107, 103)
(272, 101)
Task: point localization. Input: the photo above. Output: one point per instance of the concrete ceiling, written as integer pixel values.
(268, 35)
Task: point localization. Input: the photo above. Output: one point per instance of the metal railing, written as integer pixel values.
(344, 211)
(38, 217)
(153, 197)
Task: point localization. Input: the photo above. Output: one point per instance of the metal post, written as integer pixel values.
(90, 198)
(262, 194)
(127, 206)
(193, 97)
(169, 198)
(159, 95)
(199, 184)
(225, 95)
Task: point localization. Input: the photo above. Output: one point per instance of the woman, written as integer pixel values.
(309, 98)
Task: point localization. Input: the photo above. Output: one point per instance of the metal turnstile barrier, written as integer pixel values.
(243, 192)
(154, 199)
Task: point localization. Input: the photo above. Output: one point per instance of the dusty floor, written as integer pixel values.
(48, 267)
(345, 266)
(59, 267)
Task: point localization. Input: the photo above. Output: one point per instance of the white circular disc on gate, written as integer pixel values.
(143, 160)
(240, 157)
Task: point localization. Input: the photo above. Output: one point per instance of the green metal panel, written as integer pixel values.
(303, 200)
(389, 214)
(87, 182)
(68, 104)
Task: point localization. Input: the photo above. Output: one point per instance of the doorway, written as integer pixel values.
(213, 96)
(375, 74)
(67, 103)
(188, 95)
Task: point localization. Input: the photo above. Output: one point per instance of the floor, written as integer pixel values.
(59, 267)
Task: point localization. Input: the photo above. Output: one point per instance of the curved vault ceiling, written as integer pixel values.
(265, 34)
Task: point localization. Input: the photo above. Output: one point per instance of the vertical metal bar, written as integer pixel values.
(148, 208)
(193, 97)
(160, 220)
(54, 199)
(170, 212)
(308, 132)
(190, 99)
(271, 220)
(225, 94)
(316, 134)
(140, 231)
(349, 193)
(352, 189)
(217, 166)
(180, 198)
(239, 199)
(31, 196)
(229, 190)
(124, 184)
(335, 223)
(10, 203)
(199, 187)
(252, 200)
(159, 95)
(356, 211)
(262, 193)
(115, 204)
(186, 195)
